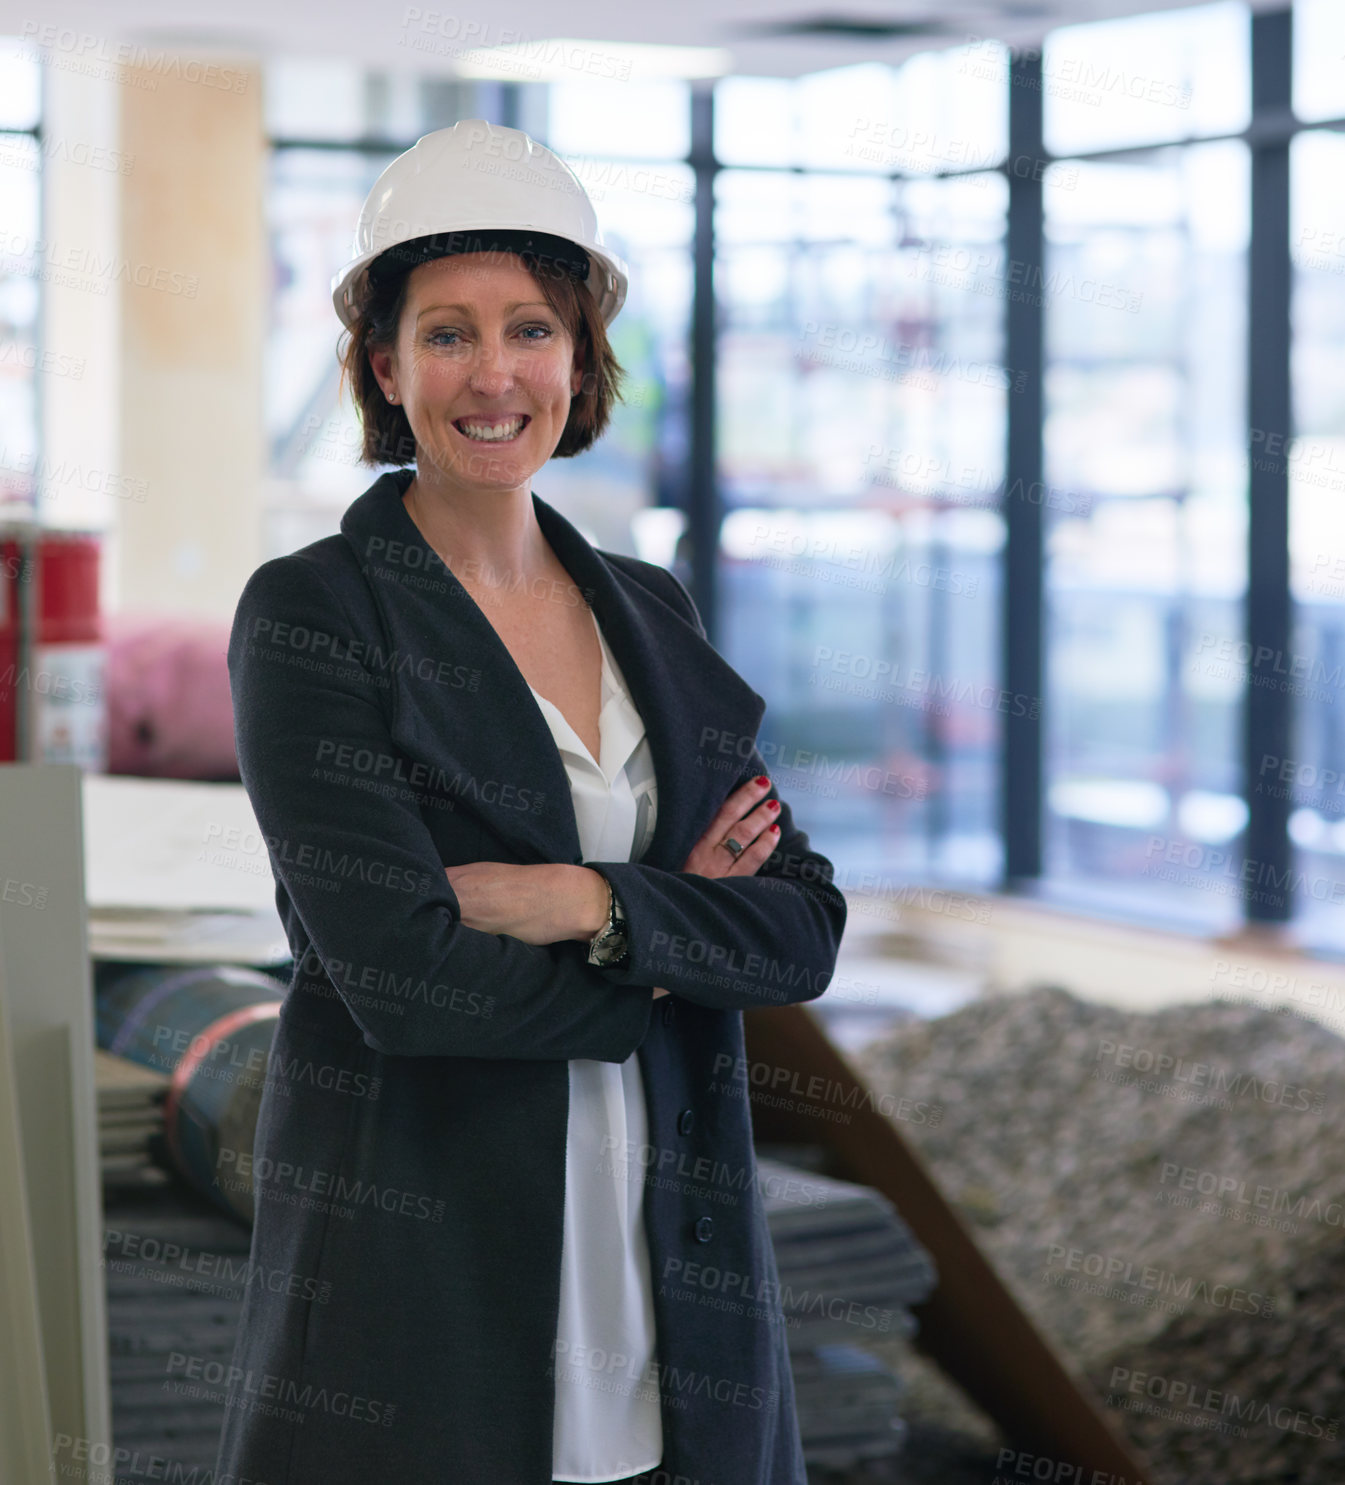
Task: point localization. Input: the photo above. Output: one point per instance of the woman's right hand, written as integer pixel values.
(749, 817)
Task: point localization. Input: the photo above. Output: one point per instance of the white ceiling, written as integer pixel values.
(782, 38)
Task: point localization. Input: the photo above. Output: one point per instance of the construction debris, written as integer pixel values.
(1164, 1194)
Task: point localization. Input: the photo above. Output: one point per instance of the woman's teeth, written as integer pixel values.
(492, 432)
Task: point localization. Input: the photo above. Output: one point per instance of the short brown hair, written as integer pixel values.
(388, 438)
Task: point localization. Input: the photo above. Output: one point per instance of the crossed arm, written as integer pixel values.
(453, 979)
(545, 904)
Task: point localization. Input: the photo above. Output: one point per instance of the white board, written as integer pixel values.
(177, 872)
(169, 843)
(49, 1010)
(25, 1425)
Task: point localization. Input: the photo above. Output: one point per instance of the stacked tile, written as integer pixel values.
(130, 1112)
(177, 1270)
(849, 1270)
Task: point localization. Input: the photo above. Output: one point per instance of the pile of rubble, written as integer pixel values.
(1165, 1194)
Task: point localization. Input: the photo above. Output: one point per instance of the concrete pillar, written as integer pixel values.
(194, 291)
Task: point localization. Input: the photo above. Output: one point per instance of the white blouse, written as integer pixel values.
(607, 1422)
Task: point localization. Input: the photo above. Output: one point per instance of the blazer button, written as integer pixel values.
(684, 1121)
(705, 1229)
(669, 1010)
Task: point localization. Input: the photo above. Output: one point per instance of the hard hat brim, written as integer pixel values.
(607, 280)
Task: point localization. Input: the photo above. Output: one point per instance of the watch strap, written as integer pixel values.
(608, 947)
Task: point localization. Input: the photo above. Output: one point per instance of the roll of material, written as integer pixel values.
(209, 1028)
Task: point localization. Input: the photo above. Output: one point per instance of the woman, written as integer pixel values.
(506, 1209)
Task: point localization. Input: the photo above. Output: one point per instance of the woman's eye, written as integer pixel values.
(449, 337)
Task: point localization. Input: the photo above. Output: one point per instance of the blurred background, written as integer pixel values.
(986, 386)
(943, 386)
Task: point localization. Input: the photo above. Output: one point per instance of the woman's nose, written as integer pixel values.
(492, 365)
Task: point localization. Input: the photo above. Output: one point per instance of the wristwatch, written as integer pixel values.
(608, 948)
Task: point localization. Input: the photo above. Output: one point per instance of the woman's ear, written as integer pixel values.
(385, 371)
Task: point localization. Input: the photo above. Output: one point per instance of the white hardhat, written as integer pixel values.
(473, 187)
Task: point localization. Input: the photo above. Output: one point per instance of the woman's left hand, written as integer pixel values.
(540, 904)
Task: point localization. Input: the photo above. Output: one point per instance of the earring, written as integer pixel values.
(392, 397)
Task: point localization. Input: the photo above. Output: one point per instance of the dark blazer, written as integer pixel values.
(410, 1149)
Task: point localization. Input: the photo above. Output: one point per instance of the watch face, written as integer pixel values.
(610, 947)
(613, 942)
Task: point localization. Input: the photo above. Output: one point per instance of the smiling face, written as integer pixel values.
(484, 368)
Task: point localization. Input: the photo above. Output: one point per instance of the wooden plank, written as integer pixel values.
(971, 1326)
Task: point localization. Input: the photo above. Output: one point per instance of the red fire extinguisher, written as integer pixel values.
(52, 658)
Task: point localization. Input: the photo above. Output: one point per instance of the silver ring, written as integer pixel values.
(733, 846)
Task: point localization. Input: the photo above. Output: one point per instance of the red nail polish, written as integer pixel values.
(761, 779)
(776, 828)
(772, 804)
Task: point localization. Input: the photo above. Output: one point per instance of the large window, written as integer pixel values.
(313, 435)
(1144, 403)
(21, 355)
(1312, 775)
(1145, 406)
(1147, 79)
(861, 441)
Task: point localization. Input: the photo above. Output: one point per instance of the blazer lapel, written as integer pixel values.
(463, 708)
